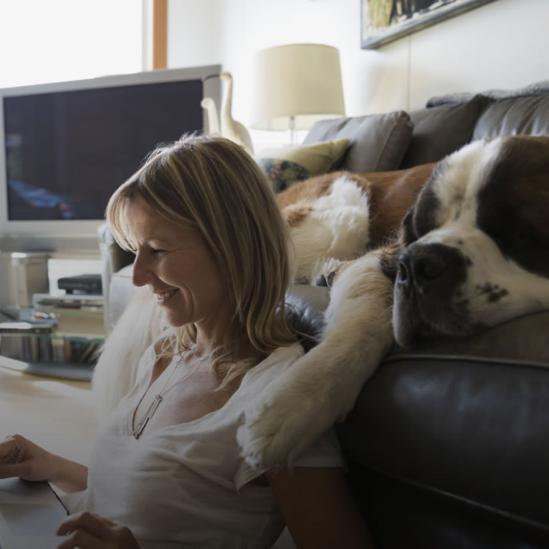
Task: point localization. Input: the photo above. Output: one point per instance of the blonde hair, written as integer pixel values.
(214, 185)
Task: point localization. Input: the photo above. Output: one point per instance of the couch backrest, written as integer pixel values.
(378, 141)
(442, 129)
(519, 115)
(401, 140)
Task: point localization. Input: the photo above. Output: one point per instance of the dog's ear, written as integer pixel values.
(519, 181)
(513, 203)
(525, 158)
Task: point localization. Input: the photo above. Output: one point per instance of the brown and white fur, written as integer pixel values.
(341, 215)
(472, 253)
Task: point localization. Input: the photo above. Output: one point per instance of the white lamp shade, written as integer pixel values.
(296, 80)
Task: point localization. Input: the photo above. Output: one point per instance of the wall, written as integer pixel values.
(499, 45)
(194, 32)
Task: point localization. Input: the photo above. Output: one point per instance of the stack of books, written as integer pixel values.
(23, 340)
(62, 329)
(32, 347)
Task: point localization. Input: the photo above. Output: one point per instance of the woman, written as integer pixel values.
(166, 469)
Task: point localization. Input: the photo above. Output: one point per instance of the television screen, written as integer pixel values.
(67, 151)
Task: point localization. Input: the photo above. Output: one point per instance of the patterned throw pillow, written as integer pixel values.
(287, 165)
(283, 172)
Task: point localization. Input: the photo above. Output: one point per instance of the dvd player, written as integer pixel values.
(85, 284)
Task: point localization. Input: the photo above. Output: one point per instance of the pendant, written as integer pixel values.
(140, 427)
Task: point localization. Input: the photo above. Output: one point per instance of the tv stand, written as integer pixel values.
(65, 344)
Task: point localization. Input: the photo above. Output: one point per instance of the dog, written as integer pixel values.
(471, 253)
(341, 215)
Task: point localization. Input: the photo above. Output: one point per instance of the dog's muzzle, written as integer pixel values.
(428, 277)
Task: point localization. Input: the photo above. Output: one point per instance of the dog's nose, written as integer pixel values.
(431, 267)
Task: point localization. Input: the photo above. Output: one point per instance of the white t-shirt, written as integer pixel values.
(186, 485)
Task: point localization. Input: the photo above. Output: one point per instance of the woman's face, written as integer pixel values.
(177, 264)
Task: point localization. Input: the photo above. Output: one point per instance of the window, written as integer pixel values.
(54, 40)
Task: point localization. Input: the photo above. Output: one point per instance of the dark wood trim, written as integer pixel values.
(160, 34)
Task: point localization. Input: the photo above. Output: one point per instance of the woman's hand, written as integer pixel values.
(22, 458)
(89, 531)
(19, 457)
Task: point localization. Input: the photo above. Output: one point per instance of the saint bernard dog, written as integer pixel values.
(342, 215)
(472, 252)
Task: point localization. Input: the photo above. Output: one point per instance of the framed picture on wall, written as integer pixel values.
(384, 21)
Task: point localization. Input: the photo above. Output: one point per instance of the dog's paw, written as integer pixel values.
(277, 431)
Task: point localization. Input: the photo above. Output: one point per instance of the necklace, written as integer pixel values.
(157, 400)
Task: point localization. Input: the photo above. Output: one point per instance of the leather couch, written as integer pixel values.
(448, 443)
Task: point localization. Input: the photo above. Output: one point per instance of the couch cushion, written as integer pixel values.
(287, 165)
(431, 140)
(464, 423)
(304, 307)
(467, 435)
(520, 111)
(378, 141)
(519, 115)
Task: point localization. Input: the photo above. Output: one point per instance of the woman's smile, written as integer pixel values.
(164, 296)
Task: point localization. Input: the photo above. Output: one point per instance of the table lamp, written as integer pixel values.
(296, 85)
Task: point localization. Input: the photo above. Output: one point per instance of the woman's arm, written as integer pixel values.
(318, 508)
(68, 475)
(19, 457)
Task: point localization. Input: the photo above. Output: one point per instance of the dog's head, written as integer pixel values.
(476, 243)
